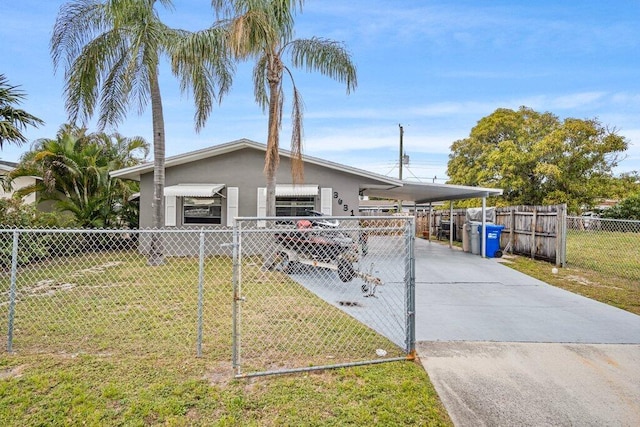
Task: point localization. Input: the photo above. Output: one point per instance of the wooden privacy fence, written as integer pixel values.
(535, 231)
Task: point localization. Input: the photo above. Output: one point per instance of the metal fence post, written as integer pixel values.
(12, 291)
(200, 293)
(236, 299)
(410, 289)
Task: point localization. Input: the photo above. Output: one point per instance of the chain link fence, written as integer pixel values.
(318, 292)
(94, 291)
(607, 246)
(226, 295)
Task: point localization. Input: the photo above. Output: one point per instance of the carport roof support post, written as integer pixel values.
(483, 238)
(451, 224)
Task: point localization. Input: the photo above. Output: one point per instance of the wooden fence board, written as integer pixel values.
(535, 231)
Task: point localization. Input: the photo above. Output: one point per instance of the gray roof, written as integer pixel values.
(386, 187)
(7, 166)
(424, 192)
(134, 172)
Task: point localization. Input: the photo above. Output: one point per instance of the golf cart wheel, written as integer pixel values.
(346, 273)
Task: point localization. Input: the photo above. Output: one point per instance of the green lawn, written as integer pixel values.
(613, 290)
(613, 254)
(604, 266)
(601, 265)
(103, 339)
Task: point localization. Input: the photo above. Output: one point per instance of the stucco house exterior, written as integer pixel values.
(211, 186)
(18, 183)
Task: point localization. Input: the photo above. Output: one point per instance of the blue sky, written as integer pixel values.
(436, 67)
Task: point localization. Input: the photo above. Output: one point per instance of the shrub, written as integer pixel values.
(17, 215)
(628, 208)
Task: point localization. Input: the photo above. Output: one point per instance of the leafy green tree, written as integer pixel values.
(111, 50)
(13, 121)
(262, 30)
(628, 208)
(74, 169)
(537, 158)
(625, 185)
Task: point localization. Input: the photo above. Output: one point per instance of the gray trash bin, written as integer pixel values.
(475, 237)
(466, 237)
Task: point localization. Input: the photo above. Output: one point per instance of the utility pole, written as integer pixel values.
(400, 159)
(401, 150)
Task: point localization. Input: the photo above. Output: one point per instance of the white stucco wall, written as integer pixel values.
(18, 183)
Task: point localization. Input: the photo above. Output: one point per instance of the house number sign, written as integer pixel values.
(345, 207)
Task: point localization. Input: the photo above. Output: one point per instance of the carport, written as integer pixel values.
(422, 192)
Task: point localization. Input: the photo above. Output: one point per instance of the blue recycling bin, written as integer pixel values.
(493, 232)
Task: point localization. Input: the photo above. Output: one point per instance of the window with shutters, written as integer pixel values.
(202, 210)
(294, 206)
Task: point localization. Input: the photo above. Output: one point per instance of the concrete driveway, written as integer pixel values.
(502, 348)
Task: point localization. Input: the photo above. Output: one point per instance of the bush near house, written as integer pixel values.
(628, 208)
(18, 215)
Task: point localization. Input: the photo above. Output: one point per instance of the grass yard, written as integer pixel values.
(55, 389)
(612, 254)
(103, 339)
(613, 290)
(604, 266)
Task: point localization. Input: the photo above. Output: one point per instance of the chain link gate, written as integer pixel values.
(322, 292)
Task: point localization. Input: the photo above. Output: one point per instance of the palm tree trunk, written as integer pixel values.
(156, 250)
(272, 157)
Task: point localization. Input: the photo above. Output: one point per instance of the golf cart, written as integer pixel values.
(319, 243)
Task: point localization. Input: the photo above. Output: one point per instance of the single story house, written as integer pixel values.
(214, 185)
(18, 183)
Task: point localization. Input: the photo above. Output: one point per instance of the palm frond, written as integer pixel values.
(327, 57)
(260, 83)
(77, 23)
(201, 61)
(297, 164)
(13, 121)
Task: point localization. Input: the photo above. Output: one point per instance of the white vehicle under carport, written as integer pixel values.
(320, 244)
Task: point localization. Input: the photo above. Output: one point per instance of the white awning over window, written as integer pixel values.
(193, 190)
(296, 190)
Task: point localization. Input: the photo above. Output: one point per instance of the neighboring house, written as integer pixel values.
(18, 183)
(210, 187)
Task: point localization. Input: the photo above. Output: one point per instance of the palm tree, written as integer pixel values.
(13, 121)
(263, 30)
(111, 51)
(74, 169)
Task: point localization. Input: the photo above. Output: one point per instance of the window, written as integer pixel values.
(294, 206)
(202, 210)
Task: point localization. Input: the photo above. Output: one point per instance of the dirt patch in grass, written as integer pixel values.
(586, 282)
(15, 372)
(97, 269)
(47, 287)
(220, 374)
